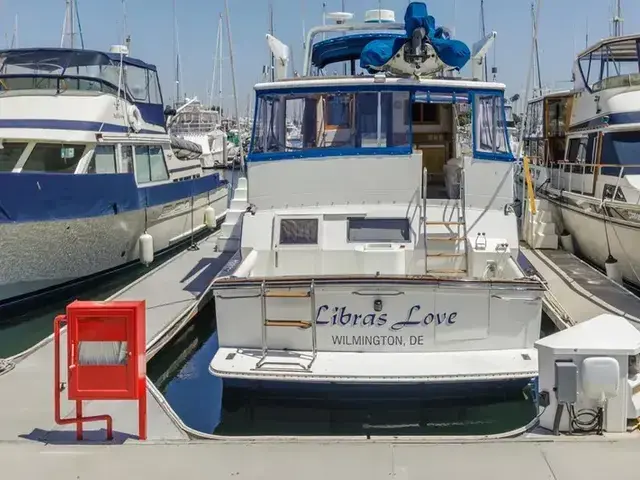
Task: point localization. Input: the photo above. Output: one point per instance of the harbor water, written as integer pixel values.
(181, 372)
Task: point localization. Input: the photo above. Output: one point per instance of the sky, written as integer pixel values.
(563, 25)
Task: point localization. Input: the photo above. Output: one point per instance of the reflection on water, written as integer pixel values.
(197, 397)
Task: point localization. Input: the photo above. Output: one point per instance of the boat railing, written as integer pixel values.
(580, 177)
(343, 27)
(618, 81)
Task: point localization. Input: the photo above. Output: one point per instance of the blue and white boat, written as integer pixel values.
(380, 253)
(87, 169)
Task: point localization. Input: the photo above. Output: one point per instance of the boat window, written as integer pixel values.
(298, 231)
(126, 152)
(103, 160)
(10, 153)
(378, 230)
(54, 157)
(581, 151)
(155, 94)
(609, 190)
(350, 122)
(150, 164)
(490, 129)
(621, 149)
(425, 113)
(137, 83)
(337, 111)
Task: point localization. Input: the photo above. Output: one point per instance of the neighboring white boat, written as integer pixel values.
(364, 260)
(87, 168)
(202, 126)
(584, 146)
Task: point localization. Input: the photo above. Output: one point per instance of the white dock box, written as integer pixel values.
(586, 367)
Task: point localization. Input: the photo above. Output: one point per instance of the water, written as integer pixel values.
(25, 329)
(198, 398)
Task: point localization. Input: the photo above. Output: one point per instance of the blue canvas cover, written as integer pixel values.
(453, 53)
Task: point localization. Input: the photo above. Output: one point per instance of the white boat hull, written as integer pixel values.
(591, 233)
(83, 247)
(390, 331)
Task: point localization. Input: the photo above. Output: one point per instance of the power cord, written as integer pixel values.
(586, 420)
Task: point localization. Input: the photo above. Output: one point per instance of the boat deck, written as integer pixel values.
(577, 291)
(174, 293)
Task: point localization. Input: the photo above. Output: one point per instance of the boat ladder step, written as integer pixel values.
(445, 239)
(457, 234)
(277, 292)
(444, 224)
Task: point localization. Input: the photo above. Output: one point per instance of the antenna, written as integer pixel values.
(617, 19)
(483, 32)
(14, 38)
(272, 73)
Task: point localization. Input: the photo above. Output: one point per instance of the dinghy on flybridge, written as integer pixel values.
(378, 251)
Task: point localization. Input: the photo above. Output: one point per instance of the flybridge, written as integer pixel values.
(416, 47)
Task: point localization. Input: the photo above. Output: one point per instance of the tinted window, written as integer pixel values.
(143, 170)
(378, 230)
(10, 154)
(158, 166)
(52, 157)
(150, 164)
(299, 231)
(103, 160)
(126, 152)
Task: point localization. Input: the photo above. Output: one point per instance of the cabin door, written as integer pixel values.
(433, 159)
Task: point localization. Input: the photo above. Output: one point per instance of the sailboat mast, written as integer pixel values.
(272, 74)
(176, 51)
(233, 80)
(71, 22)
(483, 30)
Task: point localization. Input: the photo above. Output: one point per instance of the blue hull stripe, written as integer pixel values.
(46, 124)
(37, 197)
(614, 119)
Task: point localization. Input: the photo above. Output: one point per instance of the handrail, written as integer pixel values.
(529, 183)
(590, 169)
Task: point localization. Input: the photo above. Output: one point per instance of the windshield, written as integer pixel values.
(62, 70)
(622, 148)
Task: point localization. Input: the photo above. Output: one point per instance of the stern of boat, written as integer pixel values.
(376, 329)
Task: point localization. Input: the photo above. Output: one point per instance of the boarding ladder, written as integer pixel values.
(457, 228)
(305, 324)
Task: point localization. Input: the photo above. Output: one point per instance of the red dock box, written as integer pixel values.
(106, 346)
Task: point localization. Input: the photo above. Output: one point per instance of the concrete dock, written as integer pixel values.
(174, 293)
(580, 458)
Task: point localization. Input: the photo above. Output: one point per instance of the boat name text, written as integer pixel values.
(341, 317)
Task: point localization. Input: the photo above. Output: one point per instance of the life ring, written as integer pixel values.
(135, 118)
